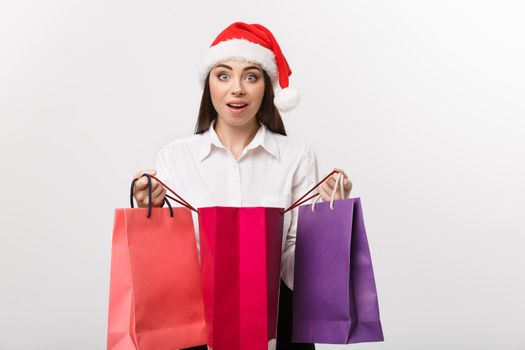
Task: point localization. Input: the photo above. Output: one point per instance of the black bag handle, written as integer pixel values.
(150, 205)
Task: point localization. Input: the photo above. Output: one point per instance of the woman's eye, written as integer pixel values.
(223, 76)
(251, 77)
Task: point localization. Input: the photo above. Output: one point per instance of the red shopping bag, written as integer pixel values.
(155, 299)
(241, 259)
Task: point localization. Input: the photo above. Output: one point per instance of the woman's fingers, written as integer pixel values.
(331, 181)
(337, 190)
(157, 201)
(143, 182)
(348, 187)
(347, 184)
(156, 189)
(329, 184)
(157, 195)
(141, 189)
(324, 193)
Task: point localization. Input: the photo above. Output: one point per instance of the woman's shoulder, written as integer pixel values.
(292, 146)
(183, 144)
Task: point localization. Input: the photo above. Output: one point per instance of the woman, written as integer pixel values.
(240, 154)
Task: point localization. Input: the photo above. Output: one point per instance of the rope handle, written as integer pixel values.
(179, 199)
(332, 197)
(301, 200)
(150, 205)
(184, 203)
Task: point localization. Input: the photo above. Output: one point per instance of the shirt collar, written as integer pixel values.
(264, 138)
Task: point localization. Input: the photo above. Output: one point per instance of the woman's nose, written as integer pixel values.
(237, 88)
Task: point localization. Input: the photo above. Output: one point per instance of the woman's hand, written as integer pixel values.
(327, 187)
(140, 191)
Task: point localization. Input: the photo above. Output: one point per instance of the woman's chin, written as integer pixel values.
(238, 119)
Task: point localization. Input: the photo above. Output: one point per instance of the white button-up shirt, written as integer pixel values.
(272, 171)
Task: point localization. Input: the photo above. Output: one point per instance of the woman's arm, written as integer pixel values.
(304, 178)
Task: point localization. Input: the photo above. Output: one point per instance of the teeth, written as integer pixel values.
(237, 105)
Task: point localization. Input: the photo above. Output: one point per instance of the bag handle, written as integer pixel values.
(301, 200)
(149, 197)
(332, 197)
(180, 200)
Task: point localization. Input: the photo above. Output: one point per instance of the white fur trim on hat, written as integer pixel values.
(241, 49)
(286, 99)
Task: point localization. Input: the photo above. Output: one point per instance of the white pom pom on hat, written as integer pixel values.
(254, 43)
(286, 99)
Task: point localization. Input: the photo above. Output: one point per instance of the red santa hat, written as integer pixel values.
(254, 43)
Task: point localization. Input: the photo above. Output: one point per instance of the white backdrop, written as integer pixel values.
(422, 103)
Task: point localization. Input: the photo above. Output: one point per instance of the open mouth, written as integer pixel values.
(237, 105)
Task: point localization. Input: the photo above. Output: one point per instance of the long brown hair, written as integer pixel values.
(268, 114)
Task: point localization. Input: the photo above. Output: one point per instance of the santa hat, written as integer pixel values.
(254, 43)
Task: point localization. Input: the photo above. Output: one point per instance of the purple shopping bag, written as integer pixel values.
(335, 298)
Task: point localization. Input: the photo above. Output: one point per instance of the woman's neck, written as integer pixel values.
(235, 138)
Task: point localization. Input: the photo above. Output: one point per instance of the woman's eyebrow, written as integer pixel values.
(224, 66)
(230, 68)
(252, 67)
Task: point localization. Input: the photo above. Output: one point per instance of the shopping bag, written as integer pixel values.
(335, 298)
(155, 299)
(241, 257)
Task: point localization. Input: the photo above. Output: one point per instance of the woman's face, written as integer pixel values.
(237, 90)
